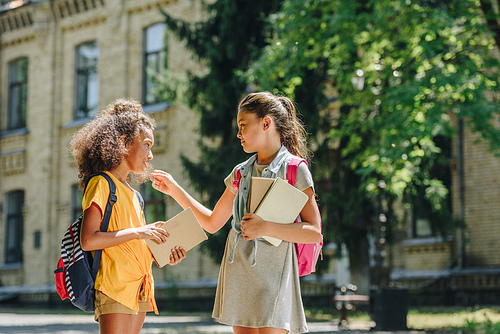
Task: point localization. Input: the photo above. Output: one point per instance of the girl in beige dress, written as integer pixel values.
(258, 290)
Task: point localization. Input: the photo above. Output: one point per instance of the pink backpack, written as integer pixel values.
(307, 254)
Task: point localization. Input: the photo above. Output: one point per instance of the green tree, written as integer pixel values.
(227, 42)
(399, 73)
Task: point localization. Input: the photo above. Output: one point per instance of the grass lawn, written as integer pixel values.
(484, 320)
(480, 319)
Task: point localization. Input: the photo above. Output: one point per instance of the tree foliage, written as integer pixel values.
(401, 73)
(380, 85)
(226, 42)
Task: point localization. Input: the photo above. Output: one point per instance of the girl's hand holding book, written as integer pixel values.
(253, 226)
(153, 232)
(178, 253)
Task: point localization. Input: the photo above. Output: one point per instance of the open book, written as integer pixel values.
(275, 201)
(185, 232)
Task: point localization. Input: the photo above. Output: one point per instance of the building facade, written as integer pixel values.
(61, 61)
(464, 268)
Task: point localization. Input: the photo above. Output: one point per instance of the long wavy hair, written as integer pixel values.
(101, 144)
(282, 110)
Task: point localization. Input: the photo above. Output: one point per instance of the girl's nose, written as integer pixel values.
(150, 155)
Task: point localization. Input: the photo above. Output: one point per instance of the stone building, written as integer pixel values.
(465, 267)
(61, 61)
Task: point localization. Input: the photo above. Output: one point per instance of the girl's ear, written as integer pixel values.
(266, 122)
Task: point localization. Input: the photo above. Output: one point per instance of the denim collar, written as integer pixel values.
(241, 199)
(274, 166)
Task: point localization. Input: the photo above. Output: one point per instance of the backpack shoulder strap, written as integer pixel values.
(105, 219)
(291, 171)
(139, 197)
(236, 182)
(111, 201)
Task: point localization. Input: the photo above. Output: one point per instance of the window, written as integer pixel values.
(154, 204)
(37, 239)
(76, 202)
(87, 80)
(17, 94)
(427, 222)
(155, 60)
(14, 227)
(423, 227)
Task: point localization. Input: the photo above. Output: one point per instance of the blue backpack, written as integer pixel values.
(77, 269)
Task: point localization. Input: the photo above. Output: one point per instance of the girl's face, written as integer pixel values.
(139, 152)
(250, 130)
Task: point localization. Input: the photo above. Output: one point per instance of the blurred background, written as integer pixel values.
(400, 99)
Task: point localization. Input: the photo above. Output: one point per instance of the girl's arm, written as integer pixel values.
(92, 238)
(308, 231)
(211, 221)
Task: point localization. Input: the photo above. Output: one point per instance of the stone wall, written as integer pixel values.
(37, 159)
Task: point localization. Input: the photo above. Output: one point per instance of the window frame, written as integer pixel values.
(76, 202)
(85, 73)
(422, 217)
(161, 54)
(14, 227)
(154, 201)
(21, 84)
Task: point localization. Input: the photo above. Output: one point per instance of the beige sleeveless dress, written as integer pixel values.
(259, 284)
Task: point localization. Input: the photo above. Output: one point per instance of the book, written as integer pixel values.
(281, 203)
(185, 231)
(258, 189)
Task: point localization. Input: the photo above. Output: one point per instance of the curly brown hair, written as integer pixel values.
(98, 146)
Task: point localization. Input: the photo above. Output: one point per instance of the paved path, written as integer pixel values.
(85, 324)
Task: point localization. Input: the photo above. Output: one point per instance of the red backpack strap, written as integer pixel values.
(291, 172)
(236, 182)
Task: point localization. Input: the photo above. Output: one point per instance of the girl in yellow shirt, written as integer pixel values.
(119, 141)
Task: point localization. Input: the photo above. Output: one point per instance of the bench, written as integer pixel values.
(348, 300)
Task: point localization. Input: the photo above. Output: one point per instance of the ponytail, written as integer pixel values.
(293, 135)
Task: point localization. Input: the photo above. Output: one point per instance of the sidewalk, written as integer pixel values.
(85, 324)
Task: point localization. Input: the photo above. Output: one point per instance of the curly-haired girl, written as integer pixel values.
(119, 141)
